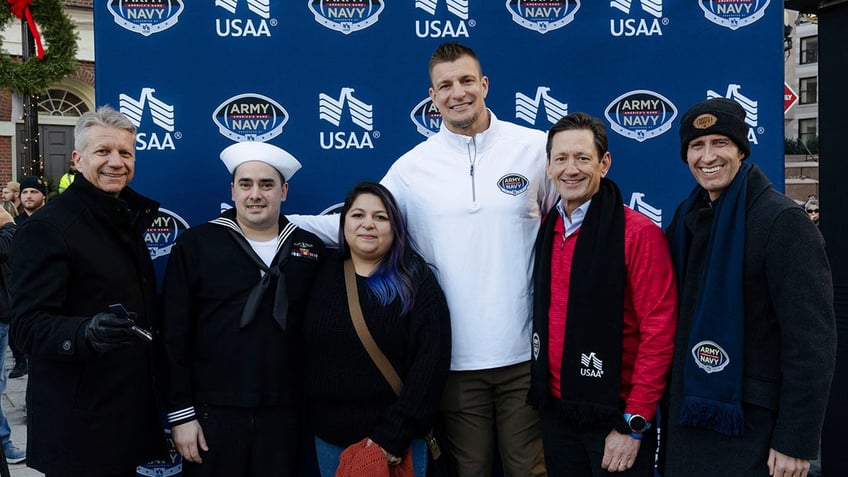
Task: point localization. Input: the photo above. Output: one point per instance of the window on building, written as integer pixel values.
(809, 89)
(809, 50)
(60, 102)
(807, 130)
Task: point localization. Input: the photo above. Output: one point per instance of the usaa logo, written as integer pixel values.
(640, 114)
(426, 117)
(346, 16)
(444, 28)
(749, 105)
(527, 108)
(145, 17)
(734, 14)
(638, 203)
(242, 26)
(163, 232)
(361, 114)
(647, 21)
(543, 15)
(162, 115)
(250, 117)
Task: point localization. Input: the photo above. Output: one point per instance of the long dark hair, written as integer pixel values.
(396, 274)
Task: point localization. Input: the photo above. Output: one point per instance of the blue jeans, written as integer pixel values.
(328, 457)
(5, 431)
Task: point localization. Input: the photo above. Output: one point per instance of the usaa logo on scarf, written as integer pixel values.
(146, 17)
(710, 357)
(592, 365)
(734, 14)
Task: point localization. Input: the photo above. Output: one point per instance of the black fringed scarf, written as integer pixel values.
(592, 352)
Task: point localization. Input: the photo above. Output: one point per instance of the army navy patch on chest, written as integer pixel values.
(513, 184)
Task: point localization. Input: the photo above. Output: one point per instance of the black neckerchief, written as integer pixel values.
(275, 271)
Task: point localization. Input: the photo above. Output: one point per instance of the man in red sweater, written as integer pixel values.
(605, 311)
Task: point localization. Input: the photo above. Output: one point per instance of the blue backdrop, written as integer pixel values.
(342, 85)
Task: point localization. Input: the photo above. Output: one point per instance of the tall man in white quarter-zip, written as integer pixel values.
(473, 195)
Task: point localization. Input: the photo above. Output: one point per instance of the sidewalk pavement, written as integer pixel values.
(14, 408)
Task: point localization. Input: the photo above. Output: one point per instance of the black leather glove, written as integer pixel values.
(106, 332)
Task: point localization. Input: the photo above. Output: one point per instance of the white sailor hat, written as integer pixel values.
(241, 152)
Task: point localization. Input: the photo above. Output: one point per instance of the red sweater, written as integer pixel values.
(650, 312)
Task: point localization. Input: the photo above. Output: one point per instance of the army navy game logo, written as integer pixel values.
(242, 25)
(250, 117)
(145, 17)
(361, 114)
(446, 27)
(162, 115)
(163, 232)
(346, 16)
(733, 14)
(426, 117)
(513, 184)
(543, 15)
(537, 345)
(749, 105)
(527, 108)
(710, 357)
(640, 114)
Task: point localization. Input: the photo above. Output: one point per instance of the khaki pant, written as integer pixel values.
(474, 402)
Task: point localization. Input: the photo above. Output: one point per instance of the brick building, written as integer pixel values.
(59, 107)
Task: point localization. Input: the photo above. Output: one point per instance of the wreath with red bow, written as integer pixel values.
(37, 73)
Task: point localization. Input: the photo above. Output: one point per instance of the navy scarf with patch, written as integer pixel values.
(713, 365)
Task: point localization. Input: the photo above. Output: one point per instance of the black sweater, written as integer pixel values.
(347, 396)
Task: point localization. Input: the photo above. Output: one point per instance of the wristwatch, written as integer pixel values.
(636, 423)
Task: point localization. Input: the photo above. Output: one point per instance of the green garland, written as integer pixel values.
(34, 76)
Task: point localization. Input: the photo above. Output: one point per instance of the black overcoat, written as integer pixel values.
(88, 414)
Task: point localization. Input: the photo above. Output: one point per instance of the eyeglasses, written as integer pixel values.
(813, 211)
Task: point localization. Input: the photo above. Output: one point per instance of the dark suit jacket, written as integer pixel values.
(790, 338)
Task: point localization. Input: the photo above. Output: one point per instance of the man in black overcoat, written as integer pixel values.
(90, 397)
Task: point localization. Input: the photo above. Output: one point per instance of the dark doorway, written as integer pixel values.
(57, 144)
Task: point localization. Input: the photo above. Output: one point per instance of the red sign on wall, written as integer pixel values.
(789, 98)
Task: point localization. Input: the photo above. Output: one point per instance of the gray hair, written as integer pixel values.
(105, 116)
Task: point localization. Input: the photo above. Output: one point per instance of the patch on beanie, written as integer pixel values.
(704, 121)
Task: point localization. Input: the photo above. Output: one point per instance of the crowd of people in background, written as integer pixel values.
(436, 318)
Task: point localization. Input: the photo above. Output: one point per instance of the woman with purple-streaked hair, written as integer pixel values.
(406, 313)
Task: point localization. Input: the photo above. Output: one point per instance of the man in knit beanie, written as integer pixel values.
(33, 197)
(756, 347)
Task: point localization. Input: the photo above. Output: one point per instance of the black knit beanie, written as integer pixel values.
(715, 116)
(32, 182)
